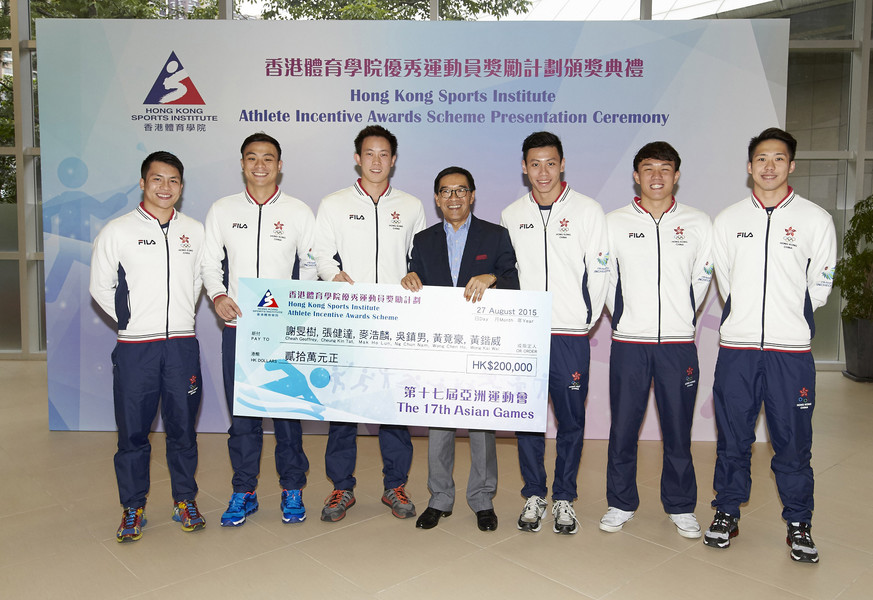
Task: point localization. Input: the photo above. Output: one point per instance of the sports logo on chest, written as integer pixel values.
(278, 232)
(790, 239)
(395, 223)
(679, 237)
(564, 230)
(185, 245)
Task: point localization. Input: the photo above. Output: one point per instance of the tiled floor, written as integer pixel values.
(59, 512)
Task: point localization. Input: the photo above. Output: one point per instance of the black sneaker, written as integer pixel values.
(723, 528)
(802, 547)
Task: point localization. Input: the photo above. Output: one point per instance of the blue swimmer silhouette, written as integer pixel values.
(294, 385)
(69, 215)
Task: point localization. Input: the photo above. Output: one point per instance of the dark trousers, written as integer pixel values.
(165, 372)
(674, 369)
(568, 387)
(246, 436)
(784, 383)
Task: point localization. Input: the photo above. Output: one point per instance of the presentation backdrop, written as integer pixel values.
(462, 94)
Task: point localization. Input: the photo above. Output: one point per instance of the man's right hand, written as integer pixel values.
(411, 282)
(226, 308)
(343, 276)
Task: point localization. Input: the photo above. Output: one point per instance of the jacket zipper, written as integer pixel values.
(766, 257)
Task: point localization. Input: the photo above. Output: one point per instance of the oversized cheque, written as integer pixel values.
(376, 353)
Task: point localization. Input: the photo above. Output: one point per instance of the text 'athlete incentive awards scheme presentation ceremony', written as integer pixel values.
(542, 178)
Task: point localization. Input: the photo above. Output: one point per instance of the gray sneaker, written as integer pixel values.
(401, 506)
(565, 517)
(336, 505)
(532, 513)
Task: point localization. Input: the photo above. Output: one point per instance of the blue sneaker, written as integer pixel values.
(293, 510)
(240, 506)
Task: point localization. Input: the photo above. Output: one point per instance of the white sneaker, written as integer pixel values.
(532, 513)
(614, 519)
(565, 517)
(686, 524)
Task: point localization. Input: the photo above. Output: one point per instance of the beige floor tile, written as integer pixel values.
(282, 573)
(590, 562)
(386, 550)
(685, 578)
(482, 576)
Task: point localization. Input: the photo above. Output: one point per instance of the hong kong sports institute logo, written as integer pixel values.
(173, 85)
(268, 301)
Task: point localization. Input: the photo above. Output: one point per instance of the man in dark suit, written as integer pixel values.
(461, 252)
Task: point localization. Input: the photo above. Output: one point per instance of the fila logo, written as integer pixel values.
(356, 217)
(239, 226)
(146, 242)
(526, 226)
(744, 234)
(633, 234)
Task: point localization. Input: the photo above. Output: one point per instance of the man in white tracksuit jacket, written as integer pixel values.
(259, 232)
(561, 246)
(661, 266)
(364, 233)
(774, 261)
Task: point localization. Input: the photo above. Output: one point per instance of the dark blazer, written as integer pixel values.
(488, 251)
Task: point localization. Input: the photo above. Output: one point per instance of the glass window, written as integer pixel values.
(824, 182)
(8, 206)
(828, 21)
(818, 100)
(7, 106)
(10, 305)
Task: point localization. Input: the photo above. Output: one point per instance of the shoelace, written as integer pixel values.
(129, 518)
(721, 521)
(237, 503)
(292, 499)
(801, 536)
(564, 510)
(401, 495)
(191, 511)
(531, 509)
(335, 498)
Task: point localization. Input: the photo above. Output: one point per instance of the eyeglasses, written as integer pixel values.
(460, 193)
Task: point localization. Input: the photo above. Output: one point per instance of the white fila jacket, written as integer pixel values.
(774, 268)
(659, 274)
(260, 240)
(567, 254)
(147, 280)
(368, 240)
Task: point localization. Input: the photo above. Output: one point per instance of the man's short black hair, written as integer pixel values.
(471, 185)
(774, 133)
(542, 139)
(657, 151)
(164, 157)
(261, 137)
(375, 131)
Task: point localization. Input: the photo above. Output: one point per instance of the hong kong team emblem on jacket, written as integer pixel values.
(789, 240)
(396, 224)
(278, 233)
(192, 387)
(576, 382)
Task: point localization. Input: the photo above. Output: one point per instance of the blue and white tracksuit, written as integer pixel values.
(272, 240)
(563, 250)
(369, 240)
(774, 268)
(147, 278)
(660, 272)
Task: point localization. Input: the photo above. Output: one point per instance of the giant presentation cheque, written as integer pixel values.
(376, 353)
